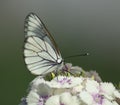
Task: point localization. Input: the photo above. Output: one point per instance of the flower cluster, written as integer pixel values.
(71, 90)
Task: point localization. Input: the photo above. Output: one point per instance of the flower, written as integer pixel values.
(98, 94)
(93, 74)
(63, 99)
(74, 70)
(107, 88)
(71, 90)
(54, 100)
(68, 99)
(67, 82)
(77, 71)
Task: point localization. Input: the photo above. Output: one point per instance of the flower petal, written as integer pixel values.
(32, 97)
(86, 97)
(53, 100)
(67, 99)
(92, 86)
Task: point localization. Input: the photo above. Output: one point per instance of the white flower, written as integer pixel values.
(67, 99)
(62, 84)
(54, 100)
(35, 98)
(71, 90)
(32, 98)
(92, 86)
(107, 88)
(98, 94)
(109, 91)
(86, 97)
(93, 74)
(95, 99)
(44, 89)
(72, 69)
(36, 82)
(77, 89)
(67, 82)
(63, 99)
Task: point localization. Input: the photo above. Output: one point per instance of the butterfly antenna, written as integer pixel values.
(72, 56)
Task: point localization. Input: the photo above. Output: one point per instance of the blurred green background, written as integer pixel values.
(78, 26)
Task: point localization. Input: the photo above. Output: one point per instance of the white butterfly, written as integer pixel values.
(40, 50)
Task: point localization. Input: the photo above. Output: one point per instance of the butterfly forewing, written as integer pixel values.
(40, 50)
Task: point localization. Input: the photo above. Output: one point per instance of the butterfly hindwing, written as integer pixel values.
(40, 50)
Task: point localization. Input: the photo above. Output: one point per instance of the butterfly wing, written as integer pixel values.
(40, 50)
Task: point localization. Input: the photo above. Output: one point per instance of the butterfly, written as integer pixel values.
(41, 53)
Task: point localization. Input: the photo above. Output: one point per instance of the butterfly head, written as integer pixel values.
(59, 60)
